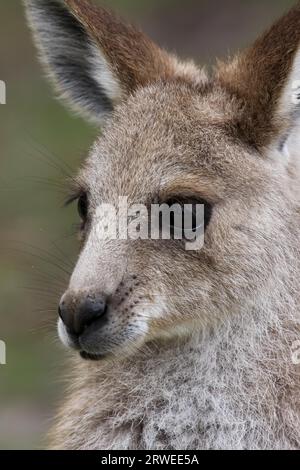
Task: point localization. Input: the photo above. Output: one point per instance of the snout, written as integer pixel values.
(100, 325)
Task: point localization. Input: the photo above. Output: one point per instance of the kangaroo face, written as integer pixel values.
(155, 288)
(171, 133)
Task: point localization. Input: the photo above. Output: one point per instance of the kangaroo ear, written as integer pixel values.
(266, 79)
(95, 59)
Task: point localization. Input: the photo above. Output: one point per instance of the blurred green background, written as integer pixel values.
(40, 145)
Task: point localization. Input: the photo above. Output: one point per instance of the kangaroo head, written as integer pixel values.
(170, 132)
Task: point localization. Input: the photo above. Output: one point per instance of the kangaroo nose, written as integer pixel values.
(77, 314)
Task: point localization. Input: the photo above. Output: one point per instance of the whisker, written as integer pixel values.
(51, 158)
(44, 260)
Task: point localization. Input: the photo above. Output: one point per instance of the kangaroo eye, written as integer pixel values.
(188, 216)
(83, 207)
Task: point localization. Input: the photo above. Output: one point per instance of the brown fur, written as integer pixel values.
(258, 75)
(145, 63)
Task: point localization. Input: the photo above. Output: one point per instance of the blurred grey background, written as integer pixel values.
(40, 145)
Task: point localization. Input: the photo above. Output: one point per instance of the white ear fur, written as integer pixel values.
(103, 74)
(289, 105)
(291, 147)
(289, 111)
(76, 65)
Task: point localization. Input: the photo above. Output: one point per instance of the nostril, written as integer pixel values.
(79, 313)
(63, 312)
(94, 310)
(91, 309)
(95, 305)
(61, 309)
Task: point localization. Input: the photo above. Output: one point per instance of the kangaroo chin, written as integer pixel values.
(174, 347)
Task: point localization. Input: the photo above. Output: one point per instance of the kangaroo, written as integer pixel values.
(177, 349)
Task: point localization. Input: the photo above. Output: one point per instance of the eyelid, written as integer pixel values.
(70, 200)
(186, 196)
(184, 199)
(77, 194)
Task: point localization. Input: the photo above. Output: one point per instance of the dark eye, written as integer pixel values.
(207, 213)
(83, 207)
(189, 214)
